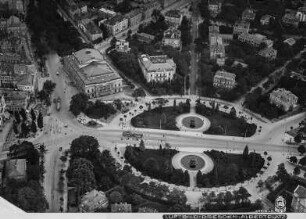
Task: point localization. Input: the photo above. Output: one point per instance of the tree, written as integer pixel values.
(245, 152)
(31, 201)
(49, 86)
(17, 116)
(302, 149)
(113, 42)
(139, 92)
(233, 113)
(33, 127)
(303, 161)
(296, 171)
(298, 138)
(85, 146)
(177, 196)
(23, 114)
(293, 159)
(142, 145)
(40, 121)
(78, 103)
(24, 130)
(33, 115)
(115, 197)
(15, 127)
(282, 173)
(228, 197)
(118, 104)
(174, 103)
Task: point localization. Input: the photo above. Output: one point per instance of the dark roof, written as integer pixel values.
(300, 191)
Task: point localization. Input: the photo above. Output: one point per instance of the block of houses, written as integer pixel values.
(173, 18)
(122, 46)
(241, 26)
(290, 41)
(301, 14)
(16, 169)
(116, 24)
(214, 7)
(268, 53)
(298, 203)
(290, 19)
(248, 15)
(223, 79)
(145, 38)
(121, 207)
(93, 200)
(134, 17)
(265, 20)
(159, 68)
(283, 99)
(254, 39)
(92, 74)
(172, 37)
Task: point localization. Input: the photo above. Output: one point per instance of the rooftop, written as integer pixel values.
(85, 56)
(93, 28)
(172, 33)
(224, 74)
(300, 192)
(16, 168)
(283, 93)
(157, 63)
(173, 13)
(116, 19)
(133, 13)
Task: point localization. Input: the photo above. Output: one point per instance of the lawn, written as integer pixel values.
(225, 124)
(160, 118)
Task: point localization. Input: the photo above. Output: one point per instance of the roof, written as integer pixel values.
(16, 168)
(300, 192)
(17, 96)
(6, 69)
(255, 36)
(85, 56)
(93, 28)
(133, 13)
(156, 63)
(173, 13)
(242, 23)
(114, 20)
(290, 41)
(172, 33)
(224, 74)
(249, 13)
(24, 80)
(93, 198)
(281, 92)
(267, 51)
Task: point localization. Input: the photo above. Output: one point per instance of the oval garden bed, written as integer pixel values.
(228, 168)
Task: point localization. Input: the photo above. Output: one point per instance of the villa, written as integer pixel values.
(223, 79)
(283, 99)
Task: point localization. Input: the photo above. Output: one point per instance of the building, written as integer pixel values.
(290, 41)
(268, 53)
(172, 37)
(122, 46)
(167, 3)
(158, 68)
(116, 24)
(298, 203)
(283, 99)
(106, 13)
(241, 26)
(248, 15)
(7, 76)
(253, 39)
(214, 7)
(216, 48)
(121, 208)
(301, 14)
(290, 19)
(223, 79)
(91, 74)
(10, 58)
(91, 29)
(145, 38)
(16, 100)
(15, 26)
(173, 18)
(265, 20)
(148, 9)
(134, 17)
(93, 200)
(16, 169)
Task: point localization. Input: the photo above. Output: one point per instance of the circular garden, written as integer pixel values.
(192, 162)
(192, 122)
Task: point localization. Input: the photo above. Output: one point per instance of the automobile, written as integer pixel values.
(60, 148)
(57, 73)
(65, 125)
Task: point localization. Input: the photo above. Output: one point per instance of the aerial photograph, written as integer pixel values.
(153, 106)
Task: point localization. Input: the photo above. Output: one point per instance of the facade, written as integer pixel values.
(16, 169)
(298, 203)
(7, 75)
(241, 26)
(91, 74)
(268, 53)
(145, 38)
(252, 39)
(214, 7)
(265, 20)
(16, 100)
(121, 207)
(134, 17)
(172, 37)
(157, 68)
(283, 99)
(248, 15)
(290, 19)
(116, 24)
(301, 14)
(223, 79)
(122, 46)
(174, 18)
(93, 200)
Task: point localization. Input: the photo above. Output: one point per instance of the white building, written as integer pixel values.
(223, 79)
(299, 200)
(283, 99)
(301, 14)
(116, 24)
(158, 68)
(172, 37)
(122, 46)
(93, 200)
